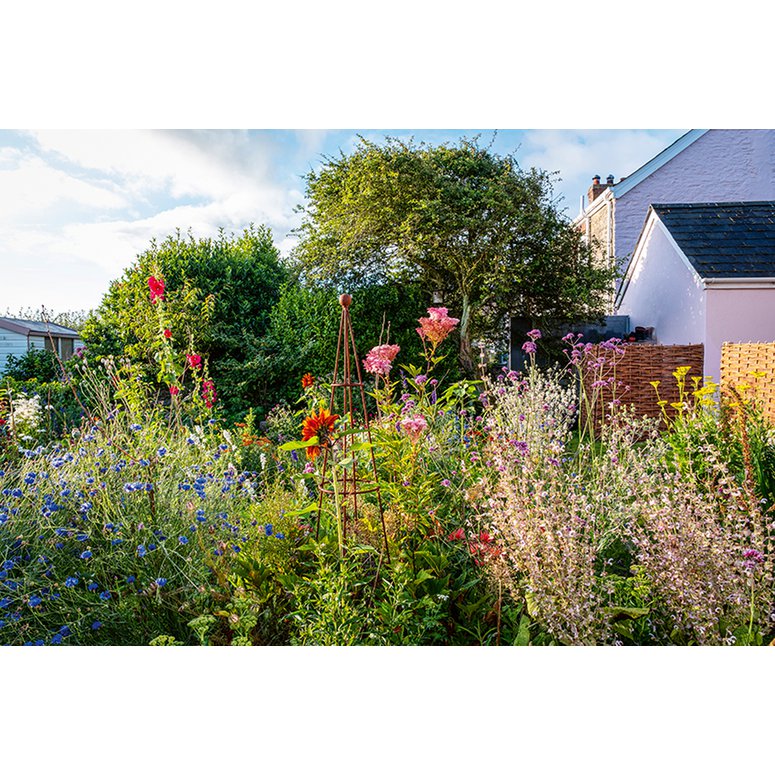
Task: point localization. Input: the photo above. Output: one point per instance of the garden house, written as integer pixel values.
(704, 165)
(704, 274)
(19, 336)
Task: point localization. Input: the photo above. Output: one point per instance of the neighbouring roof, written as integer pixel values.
(651, 166)
(724, 239)
(36, 328)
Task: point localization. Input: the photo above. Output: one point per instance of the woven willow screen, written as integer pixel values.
(752, 365)
(635, 370)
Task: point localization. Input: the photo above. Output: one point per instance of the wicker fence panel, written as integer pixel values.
(751, 364)
(635, 370)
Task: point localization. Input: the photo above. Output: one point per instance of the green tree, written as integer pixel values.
(305, 322)
(218, 297)
(462, 221)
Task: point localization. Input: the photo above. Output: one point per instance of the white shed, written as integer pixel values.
(704, 273)
(18, 336)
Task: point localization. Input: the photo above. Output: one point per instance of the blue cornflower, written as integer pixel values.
(135, 427)
(141, 551)
(64, 631)
(211, 422)
(117, 541)
(280, 535)
(182, 540)
(96, 625)
(223, 447)
(161, 452)
(160, 582)
(86, 555)
(56, 640)
(16, 492)
(144, 462)
(151, 547)
(35, 601)
(92, 586)
(130, 579)
(81, 537)
(105, 595)
(5, 602)
(8, 565)
(71, 581)
(190, 441)
(268, 529)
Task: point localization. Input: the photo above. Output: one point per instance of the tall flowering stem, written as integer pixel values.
(434, 329)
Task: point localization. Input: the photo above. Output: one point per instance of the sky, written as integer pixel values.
(77, 206)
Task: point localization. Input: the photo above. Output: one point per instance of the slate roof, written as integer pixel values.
(27, 327)
(724, 239)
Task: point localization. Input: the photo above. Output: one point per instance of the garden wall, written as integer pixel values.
(633, 370)
(750, 364)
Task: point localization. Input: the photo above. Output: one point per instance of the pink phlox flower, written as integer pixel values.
(437, 326)
(379, 359)
(414, 427)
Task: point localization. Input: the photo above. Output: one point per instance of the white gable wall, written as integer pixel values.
(723, 165)
(665, 293)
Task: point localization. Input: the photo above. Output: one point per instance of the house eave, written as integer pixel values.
(658, 161)
(739, 283)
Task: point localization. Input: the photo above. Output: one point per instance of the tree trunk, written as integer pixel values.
(466, 355)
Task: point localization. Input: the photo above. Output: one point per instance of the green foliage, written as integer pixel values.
(40, 365)
(305, 321)
(218, 298)
(456, 219)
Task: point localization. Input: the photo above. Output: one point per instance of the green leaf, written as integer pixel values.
(307, 510)
(523, 634)
(618, 613)
(292, 445)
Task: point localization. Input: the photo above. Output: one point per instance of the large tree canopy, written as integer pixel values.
(462, 220)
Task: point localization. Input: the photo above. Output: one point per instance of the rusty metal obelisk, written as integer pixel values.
(341, 477)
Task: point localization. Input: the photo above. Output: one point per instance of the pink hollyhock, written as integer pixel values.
(174, 390)
(208, 392)
(380, 359)
(167, 333)
(437, 326)
(157, 289)
(414, 427)
(194, 360)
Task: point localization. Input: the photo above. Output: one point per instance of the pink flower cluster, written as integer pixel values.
(380, 359)
(194, 360)
(414, 427)
(437, 326)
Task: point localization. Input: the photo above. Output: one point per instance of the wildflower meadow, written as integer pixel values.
(496, 513)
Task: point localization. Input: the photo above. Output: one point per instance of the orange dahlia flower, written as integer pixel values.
(307, 381)
(320, 425)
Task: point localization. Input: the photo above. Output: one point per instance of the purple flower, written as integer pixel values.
(445, 483)
(420, 379)
(534, 334)
(86, 555)
(529, 347)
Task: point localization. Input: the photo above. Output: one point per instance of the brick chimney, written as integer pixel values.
(597, 187)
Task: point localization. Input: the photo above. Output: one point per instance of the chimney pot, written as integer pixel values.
(610, 180)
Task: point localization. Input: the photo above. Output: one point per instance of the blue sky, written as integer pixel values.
(76, 207)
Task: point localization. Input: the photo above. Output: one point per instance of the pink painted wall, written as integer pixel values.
(736, 315)
(724, 165)
(664, 293)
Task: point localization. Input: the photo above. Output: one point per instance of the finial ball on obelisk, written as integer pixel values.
(345, 300)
